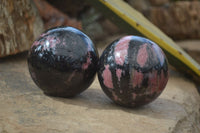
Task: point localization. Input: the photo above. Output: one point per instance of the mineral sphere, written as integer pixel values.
(133, 71)
(63, 62)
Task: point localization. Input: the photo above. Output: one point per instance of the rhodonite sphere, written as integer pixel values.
(133, 71)
(63, 62)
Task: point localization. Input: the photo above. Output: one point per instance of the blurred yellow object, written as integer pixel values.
(135, 23)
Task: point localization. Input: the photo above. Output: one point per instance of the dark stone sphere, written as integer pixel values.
(63, 62)
(133, 71)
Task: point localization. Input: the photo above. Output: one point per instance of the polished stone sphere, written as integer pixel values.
(63, 62)
(133, 71)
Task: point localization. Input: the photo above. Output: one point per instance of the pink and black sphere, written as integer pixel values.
(63, 62)
(133, 71)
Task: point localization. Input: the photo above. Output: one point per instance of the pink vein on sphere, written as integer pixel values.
(107, 77)
(121, 50)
